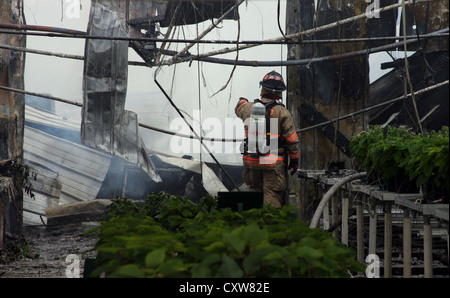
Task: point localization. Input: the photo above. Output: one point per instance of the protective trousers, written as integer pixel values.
(271, 181)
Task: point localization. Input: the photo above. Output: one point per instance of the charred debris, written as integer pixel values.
(329, 94)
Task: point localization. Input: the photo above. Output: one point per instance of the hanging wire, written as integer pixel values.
(336, 128)
(237, 51)
(421, 49)
(278, 19)
(421, 91)
(306, 62)
(407, 67)
(199, 102)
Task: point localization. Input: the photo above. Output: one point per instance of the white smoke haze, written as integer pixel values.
(190, 85)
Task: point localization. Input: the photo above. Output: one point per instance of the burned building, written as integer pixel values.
(11, 125)
(329, 43)
(342, 34)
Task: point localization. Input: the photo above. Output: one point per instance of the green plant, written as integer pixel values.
(18, 249)
(169, 236)
(428, 159)
(20, 174)
(392, 152)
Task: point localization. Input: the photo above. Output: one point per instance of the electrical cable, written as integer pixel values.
(309, 31)
(437, 34)
(377, 106)
(195, 133)
(407, 67)
(199, 102)
(237, 53)
(421, 50)
(301, 61)
(278, 19)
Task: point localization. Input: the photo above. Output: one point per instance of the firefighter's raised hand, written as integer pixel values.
(293, 164)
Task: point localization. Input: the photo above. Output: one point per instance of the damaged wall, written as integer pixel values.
(325, 90)
(322, 91)
(319, 92)
(11, 119)
(105, 122)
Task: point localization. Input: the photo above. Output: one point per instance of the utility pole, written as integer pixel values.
(12, 111)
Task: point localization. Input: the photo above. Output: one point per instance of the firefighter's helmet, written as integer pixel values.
(273, 81)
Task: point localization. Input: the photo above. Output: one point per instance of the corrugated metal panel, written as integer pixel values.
(46, 190)
(36, 115)
(80, 168)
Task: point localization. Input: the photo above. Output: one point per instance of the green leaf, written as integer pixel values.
(309, 252)
(215, 246)
(275, 255)
(253, 261)
(129, 270)
(155, 258)
(172, 267)
(235, 242)
(205, 268)
(230, 268)
(254, 234)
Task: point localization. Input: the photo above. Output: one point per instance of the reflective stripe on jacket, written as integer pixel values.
(286, 129)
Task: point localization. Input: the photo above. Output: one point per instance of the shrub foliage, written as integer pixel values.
(393, 151)
(169, 236)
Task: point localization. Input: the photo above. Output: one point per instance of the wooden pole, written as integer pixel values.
(373, 229)
(427, 248)
(387, 240)
(344, 232)
(406, 244)
(359, 231)
(326, 217)
(334, 211)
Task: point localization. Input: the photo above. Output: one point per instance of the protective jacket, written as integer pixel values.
(286, 136)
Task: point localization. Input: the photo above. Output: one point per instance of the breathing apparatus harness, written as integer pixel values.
(259, 116)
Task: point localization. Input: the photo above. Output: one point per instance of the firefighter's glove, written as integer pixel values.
(293, 165)
(243, 98)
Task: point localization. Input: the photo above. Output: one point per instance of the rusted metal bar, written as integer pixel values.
(41, 95)
(225, 139)
(312, 30)
(41, 28)
(40, 52)
(78, 104)
(306, 61)
(373, 107)
(64, 33)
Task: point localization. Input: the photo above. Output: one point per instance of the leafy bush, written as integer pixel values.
(428, 159)
(169, 236)
(392, 152)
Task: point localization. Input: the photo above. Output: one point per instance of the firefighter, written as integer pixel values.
(270, 144)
